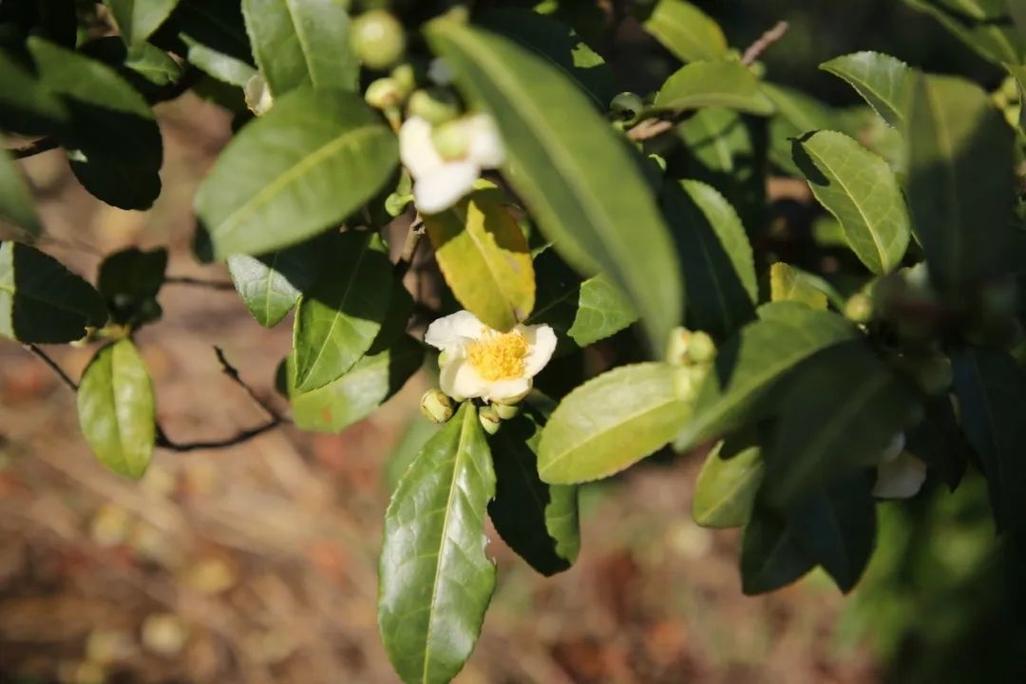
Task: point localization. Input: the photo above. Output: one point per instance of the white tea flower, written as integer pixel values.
(900, 475)
(442, 177)
(478, 361)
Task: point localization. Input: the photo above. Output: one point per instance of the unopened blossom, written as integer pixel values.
(900, 475)
(480, 362)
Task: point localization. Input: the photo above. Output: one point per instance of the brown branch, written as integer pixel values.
(35, 147)
(410, 245)
(764, 42)
(199, 282)
(650, 128)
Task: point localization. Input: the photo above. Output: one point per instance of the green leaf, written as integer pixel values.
(25, 105)
(839, 414)
(754, 361)
(880, 79)
(859, 188)
(770, 555)
(788, 284)
(298, 42)
(1019, 74)
(41, 301)
(610, 423)
(312, 160)
(978, 24)
(960, 184)
(796, 115)
(215, 38)
(991, 391)
(722, 83)
(539, 521)
(16, 204)
(114, 145)
(686, 31)
(138, 19)
(938, 441)
(575, 174)
(116, 409)
(602, 311)
(435, 579)
(418, 432)
(557, 43)
(715, 255)
(726, 485)
(342, 313)
(270, 285)
(485, 259)
(129, 282)
(363, 388)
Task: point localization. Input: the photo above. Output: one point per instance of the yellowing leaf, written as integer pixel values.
(787, 284)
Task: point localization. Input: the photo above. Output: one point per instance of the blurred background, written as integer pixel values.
(258, 563)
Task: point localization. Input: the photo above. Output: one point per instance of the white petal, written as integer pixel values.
(444, 186)
(461, 381)
(894, 449)
(541, 341)
(899, 478)
(416, 149)
(486, 146)
(454, 330)
(440, 72)
(507, 390)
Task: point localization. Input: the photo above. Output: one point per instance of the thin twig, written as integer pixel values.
(233, 373)
(65, 378)
(410, 246)
(764, 42)
(199, 282)
(650, 128)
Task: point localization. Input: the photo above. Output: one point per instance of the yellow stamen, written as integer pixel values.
(499, 356)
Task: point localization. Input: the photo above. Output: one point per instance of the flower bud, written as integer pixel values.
(701, 348)
(859, 308)
(451, 140)
(257, 94)
(378, 39)
(436, 406)
(626, 106)
(405, 77)
(384, 93)
(435, 105)
(489, 419)
(506, 411)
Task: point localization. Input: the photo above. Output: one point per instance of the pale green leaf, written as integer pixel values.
(880, 79)
(216, 40)
(138, 19)
(726, 485)
(787, 284)
(686, 31)
(723, 83)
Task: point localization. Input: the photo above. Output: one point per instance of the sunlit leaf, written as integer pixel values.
(686, 31)
(724, 83)
(880, 79)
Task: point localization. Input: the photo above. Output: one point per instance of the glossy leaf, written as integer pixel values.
(727, 484)
(114, 145)
(435, 578)
(611, 422)
(880, 79)
(215, 39)
(796, 115)
(715, 254)
(342, 313)
(316, 157)
(787, 284)
(859, 188)
(116, 409)
(839, 414)
(991, 391)
(138, 19)
(978, 26)
(484, 257)
(299, 42)
(960, 184)
(751, 363)
(362, 389)
(686, 31)
(16, 204)
(722, 83)
(41, 301)
(539, 521)
(575, 174)
(270, 285)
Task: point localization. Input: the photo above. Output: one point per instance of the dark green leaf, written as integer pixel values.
(880, 79)
(726, 485)
(981, 24)
(138, 19)
(25, 105)
(960, 184)
(129, 282)
(342, 313)
(991, 391)
(686, 31)
(215, 38)
(16, 204)
(271, 285)
(316, 157)
(770, 555)
(859, 188)
(797, 114)
(577, 177)
(938, 440)
(611, 422)
(716, 257)
(713, 84)
(116, 409)
(435, 579)
(752, 362)
(298, 42)
(539, 521)
(43, 302)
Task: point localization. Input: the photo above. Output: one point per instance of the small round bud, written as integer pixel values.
(490, 419)
(435, 105)
(258, 95)
(677, 346)
(506, 411)
(405, 77)
(701, 348)
(626, 106)
(378, 39)
(436, 406)
(859, 308)
(451, 140)
(384, 93)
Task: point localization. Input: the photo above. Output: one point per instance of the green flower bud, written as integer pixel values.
(378, 39)
(859, 308)
(383, 94)
(405, 77)
(506, 411)
(490, 419)
(626, 106)
(436, 105)
(436, 406)
(257, 94)
(451, 140)
(701, 348)
(677, 347)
